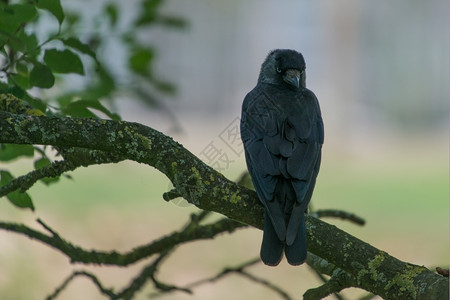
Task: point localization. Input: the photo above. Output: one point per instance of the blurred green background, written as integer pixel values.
(380, 72)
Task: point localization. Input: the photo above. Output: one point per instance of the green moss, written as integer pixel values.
(374, 264)
(12, 104)
(196, 174)
(405, 281)
(346, 249)
(235, 198)
(313, 237)
(135, 142)
(112, 137)
(363, 272)
(33, 128)
(198, 189)
(21, 131)
(146, 142)
(372, 268)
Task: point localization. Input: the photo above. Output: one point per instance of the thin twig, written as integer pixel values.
(92, 277)
(265, 283)
(324, 280)
(339, 279)
(334, 213)
(240, 270)
(443, 272)
(223, 273)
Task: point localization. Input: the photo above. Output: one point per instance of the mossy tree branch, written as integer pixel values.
(374, 270)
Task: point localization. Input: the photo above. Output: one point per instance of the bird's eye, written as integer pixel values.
(278, 70)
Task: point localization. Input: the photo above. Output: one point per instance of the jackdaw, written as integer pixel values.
(282, 133)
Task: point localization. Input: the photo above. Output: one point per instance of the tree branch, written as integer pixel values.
(334, 213)
(24, 182)
(375, 270)
(240, 270)
(92, 277)
(338, 281)
(79, 255)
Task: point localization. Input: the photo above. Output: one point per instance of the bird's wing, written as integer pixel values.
(304, 162)
(257, 121)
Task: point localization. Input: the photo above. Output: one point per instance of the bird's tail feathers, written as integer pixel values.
(276, 219)
(296, 218)
(272, 247)
(296, 252)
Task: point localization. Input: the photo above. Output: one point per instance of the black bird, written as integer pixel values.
(282, 132)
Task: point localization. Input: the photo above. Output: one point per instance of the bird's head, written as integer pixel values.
(284, 66)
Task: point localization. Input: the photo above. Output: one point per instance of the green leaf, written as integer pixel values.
(41, 76)
(12, 151)
(17, 91)
(21, 41)
(28, 42)
(4, 87)
(100, 107)
(140, 60)
(12, 16)
(7, 38)
(164, 87)
(151, 6)
(80, 46)
(78, 110)
(111, 11)
(63, 61)
(21, 80)
(148, 12)
(34, 102)
(21, 200)
(54, 7)
(81, 108)
(41, 163)
(175, 22)
(22, 68)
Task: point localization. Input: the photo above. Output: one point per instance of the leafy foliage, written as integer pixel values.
(40, 62)
(63, 61)
(42, 76)
(9, 151)
(53, 6)
(21, 200)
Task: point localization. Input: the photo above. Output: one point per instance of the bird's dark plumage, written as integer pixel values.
(282, 132)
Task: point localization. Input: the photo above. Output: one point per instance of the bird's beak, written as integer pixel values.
(292, 77)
